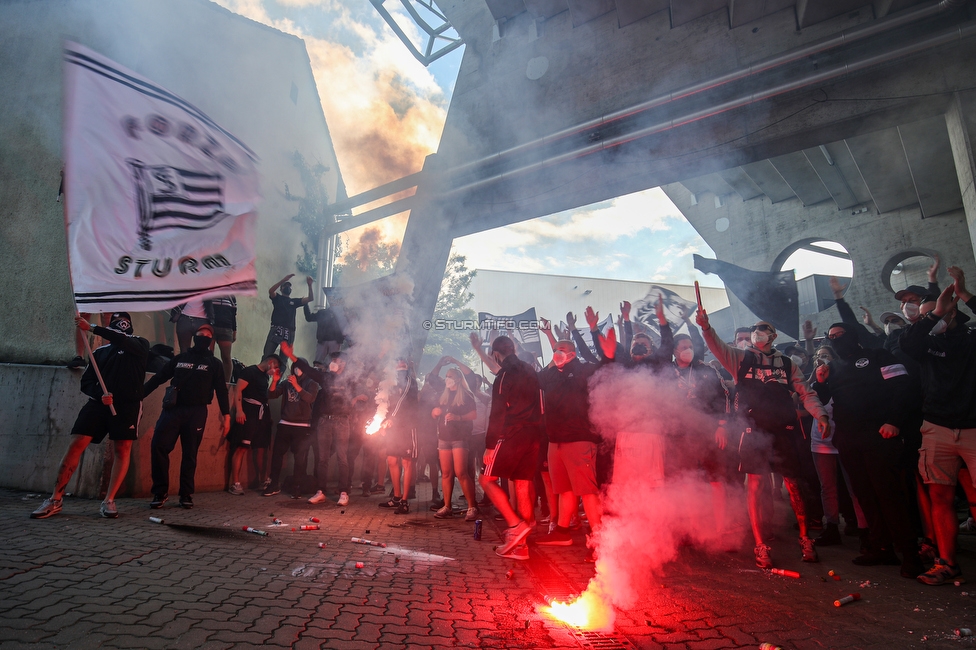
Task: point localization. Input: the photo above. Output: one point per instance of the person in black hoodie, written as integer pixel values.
(196, 377)
(870, 389)
(294, 426)
(123, 366)
(946, 351)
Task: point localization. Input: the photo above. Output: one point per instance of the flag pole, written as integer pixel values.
(67, 237)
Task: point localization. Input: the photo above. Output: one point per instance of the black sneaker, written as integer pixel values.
(157, 501)
(76, 363)
(186, 502)
(392, 503)
(270, 491)
(403, 508)
(829, 537)
(436, 505)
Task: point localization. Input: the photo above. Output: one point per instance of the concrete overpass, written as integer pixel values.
(792, 121)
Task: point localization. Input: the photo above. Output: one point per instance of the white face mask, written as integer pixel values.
(910, 310)
(334, 366)
(743, 344)
(891, 327)
(561, 358)
(450, 383)
(687, 355)
(939, 328)
(797, 360)
(759, 338)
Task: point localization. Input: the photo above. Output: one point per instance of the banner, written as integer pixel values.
(773, 297)
(522, 328)
(159, 198)
(643, 313)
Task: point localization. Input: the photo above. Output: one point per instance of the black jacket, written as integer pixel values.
(948, 367)
(567, 402)
(123, 366)
(516, 404)
(198, 375)
(869, 389)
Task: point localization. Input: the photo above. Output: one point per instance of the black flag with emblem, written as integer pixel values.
(770, 296)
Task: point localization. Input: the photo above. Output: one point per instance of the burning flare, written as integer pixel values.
(589, 611)
(374, 424)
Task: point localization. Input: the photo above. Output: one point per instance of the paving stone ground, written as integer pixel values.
(198, 581)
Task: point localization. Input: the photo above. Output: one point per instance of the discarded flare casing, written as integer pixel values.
(156, 520)
(849, 598)
(359, 565)
(963, 631)
(785, 572)
(321, 544)
(248, 529)
(769, 646)
(311, 527)
(314, 520)
(367, 542)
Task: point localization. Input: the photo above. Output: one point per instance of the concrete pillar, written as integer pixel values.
(423, 257)
(961, 123)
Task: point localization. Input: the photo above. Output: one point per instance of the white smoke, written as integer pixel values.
(644, 527)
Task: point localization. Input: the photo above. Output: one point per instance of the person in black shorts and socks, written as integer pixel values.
(283, 314)
(123, 366)
(253, 421)
(515, 434)
(225, 330)
(401, 436)
(196, 377)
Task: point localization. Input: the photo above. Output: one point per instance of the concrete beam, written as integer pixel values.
(799, 174)
(683, 11)
(961, 125)
(831, 177)
(881, 161)
(741, 183)
(630, 11)
(769, 181)
(929, 155)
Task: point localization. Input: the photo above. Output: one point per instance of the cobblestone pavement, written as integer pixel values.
(198, 581)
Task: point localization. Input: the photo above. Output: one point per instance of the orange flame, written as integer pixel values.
(588, 612)
(374, 425)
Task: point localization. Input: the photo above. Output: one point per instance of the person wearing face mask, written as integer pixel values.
(573, 440)
(122, 363)
(253, 421)
(765, 382)
(455, 412)
(283, 312)
(948, 370)
(294, 427)
(870, 391)
(401, 436)
(703, 441)
(196, 376)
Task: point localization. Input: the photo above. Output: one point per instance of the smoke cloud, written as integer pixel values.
(645, 524)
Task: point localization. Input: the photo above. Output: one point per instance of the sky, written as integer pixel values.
(385, 112)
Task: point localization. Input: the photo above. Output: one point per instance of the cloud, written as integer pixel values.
(384, 109)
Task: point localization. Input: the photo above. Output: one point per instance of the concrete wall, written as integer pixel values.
(759, 231)
(36, 415)
(252, 80)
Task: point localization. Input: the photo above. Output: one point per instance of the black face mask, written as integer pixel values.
(202, 342)
(286, 291)
(845, 345)
(639, 350)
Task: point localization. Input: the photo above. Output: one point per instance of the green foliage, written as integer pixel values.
(313, 212)
(452, 306)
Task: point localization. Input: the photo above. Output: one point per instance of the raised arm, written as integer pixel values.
(274, 288)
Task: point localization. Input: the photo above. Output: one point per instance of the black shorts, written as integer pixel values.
(401, 443)
(761, 452)
(516, 459)
(255, 432)
(95, 420)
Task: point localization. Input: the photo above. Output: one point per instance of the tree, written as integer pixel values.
(451, 307)
(369, 259)
(313, 213)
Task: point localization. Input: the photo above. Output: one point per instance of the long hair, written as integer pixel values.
(459, 394)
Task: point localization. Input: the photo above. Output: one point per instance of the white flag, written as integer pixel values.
(160, 199)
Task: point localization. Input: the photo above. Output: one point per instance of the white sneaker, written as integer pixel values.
(317, 498)
(236, 489)
(471, 515)
(343, 499)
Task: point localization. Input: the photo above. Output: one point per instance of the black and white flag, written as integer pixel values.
(160, 199)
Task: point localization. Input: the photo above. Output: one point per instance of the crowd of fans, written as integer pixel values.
(875, 424)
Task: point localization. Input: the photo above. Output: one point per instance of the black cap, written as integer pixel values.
(917, 290)
(122, 318)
